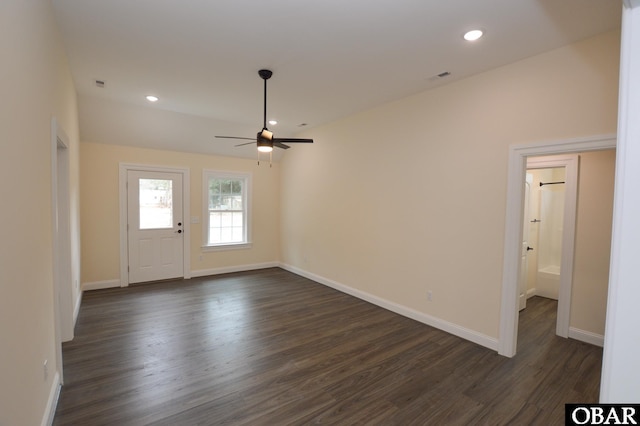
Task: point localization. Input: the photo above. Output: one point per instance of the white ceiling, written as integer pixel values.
(330, 59)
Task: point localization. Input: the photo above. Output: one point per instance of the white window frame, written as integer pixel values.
(246, 202)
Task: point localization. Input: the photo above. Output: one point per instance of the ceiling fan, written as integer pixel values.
(264, 139)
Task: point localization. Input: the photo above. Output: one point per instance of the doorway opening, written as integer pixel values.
(549, 224)
(518, 155)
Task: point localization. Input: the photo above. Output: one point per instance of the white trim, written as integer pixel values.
(52, 401)
(586, 336)
(451, 328)
(225, 247)
(508, 331)
(61, 243)
(620, 368)
(99, 285)
(76, 307)
(570, 164)
(186, 214)
(229, 269)
(532, 292)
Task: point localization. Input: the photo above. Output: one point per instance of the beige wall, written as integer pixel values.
(593, 241)
(35, 85)
(410, 196)
(100, 208)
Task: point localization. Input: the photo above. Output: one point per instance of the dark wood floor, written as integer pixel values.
(272, 348)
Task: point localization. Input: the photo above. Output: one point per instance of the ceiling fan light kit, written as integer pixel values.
(264, 145)
(264, 138)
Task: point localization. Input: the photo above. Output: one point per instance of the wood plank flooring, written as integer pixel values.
(272, 348)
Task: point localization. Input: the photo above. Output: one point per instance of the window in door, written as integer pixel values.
(226, 215)
(156, 203)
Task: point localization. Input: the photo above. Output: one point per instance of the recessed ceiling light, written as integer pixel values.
(473, 35)
(273, 122)
(152, 98)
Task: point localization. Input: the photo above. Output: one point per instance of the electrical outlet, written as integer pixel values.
(45, 369)
(429, 296)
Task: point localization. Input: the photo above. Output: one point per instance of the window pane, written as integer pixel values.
(225, 186)
(225, 235)
(227, 202)
(236, 202)
(236, 187)
(214, 186)
(214, 235)
(237, 219)
(214, 220)
(237, 234)
(156, 203)
(214, 202)
(226, 219)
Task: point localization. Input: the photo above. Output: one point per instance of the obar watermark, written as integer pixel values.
(602, 414)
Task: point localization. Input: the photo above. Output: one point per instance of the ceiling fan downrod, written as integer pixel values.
(265, 75)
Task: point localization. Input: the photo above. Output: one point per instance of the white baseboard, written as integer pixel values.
(229, 269)
(586, 336)
(451, 328)
(531, 292)
(98, 285)
(52, 402)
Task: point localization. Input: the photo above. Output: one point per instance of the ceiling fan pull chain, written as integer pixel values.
(270, 158)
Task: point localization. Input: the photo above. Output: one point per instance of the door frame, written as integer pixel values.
(570, 163)
(124, 168)
(508, 327)
(63, 310)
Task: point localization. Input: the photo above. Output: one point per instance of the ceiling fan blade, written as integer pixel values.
(236, 137)
(243, 144)
(292, 140)
(281, 145)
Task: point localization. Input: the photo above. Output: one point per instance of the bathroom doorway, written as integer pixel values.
(545, 228)
(518, 158)
(550, 263)
(551, 220)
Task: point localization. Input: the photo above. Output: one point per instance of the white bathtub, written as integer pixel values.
(548, 282)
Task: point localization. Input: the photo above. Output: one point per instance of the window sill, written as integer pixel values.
(225, 247)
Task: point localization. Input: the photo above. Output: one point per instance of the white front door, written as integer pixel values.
(154, 225)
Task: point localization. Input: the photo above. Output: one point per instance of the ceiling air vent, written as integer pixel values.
(100, 83)
(439, 76)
